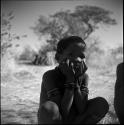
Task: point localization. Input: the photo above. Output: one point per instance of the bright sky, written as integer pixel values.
(27, 12)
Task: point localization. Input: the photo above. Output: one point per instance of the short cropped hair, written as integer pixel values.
(65, 42)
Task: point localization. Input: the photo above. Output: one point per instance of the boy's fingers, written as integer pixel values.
(67, 62)
(82, 67)
(85, 66)
(71, 65)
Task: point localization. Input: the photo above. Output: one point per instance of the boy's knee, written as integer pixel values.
(102, 105)
(50, 108)
(49, 111)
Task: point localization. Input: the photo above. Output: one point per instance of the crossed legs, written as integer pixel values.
(96, 110)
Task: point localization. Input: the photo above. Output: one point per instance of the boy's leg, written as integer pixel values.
(49, 113)
(96, 110)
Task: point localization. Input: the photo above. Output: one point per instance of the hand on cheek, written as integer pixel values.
(72, 69)
(80, 69)
(66, 67)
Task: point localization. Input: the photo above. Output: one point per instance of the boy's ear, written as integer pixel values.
(59, 57)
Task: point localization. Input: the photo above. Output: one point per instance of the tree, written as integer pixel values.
(117, 54)
(93, 47)
(7, 36)
(82, 22)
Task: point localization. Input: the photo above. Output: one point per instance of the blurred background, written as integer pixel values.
(30, 31)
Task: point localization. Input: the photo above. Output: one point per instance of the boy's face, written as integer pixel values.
(76, 54)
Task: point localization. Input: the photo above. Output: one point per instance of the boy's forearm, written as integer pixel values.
(66, 102)
(80, 100)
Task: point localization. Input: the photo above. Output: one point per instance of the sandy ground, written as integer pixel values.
(20, 91)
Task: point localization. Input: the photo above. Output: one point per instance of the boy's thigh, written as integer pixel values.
(96, 108)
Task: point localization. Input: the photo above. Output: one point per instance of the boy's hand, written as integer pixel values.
(80, 68)
(72, 69)
(67, 68)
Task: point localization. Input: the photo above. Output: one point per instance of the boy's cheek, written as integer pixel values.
(63, 58)
(82, 68)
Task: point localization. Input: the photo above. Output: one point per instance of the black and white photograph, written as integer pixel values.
(62, 62)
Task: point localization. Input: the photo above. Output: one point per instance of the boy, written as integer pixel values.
(119, 93)
(64, 91)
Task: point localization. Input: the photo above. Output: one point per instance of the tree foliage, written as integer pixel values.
(83, 21)
(7, 36)
(117, 54)
(93, 47)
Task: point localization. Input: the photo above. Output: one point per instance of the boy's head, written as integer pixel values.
(72, 47)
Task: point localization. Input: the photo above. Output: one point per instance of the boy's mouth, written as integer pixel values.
(80, 68)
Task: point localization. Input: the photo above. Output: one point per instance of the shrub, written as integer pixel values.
(27, 55)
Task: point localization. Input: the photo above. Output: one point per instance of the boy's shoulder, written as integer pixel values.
(52, 78)
(51, 74)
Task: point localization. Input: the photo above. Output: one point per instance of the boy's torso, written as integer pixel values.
(58, 79)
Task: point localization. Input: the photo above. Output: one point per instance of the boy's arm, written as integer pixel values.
(67, 99)
(52, 90)
(64, 102)
(81, 96)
